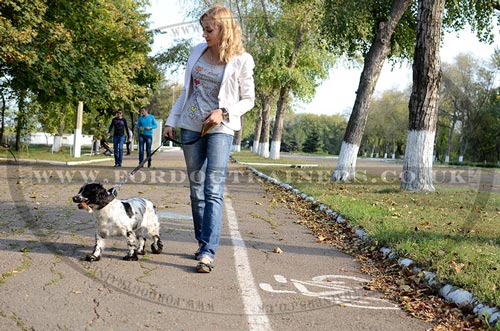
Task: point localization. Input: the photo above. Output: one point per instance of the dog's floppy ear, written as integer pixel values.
(103, 196)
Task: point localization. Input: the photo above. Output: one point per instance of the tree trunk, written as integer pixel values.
(462, 142)
(266, 128)
(374, 61)
(4, 110)
(21, 119)
(417, 164)
(283, 99)
(278, 124)
(236, 147)
(450, 137)
(132, 122)
(258, 129)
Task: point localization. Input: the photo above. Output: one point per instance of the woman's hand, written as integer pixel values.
(169, 132)
(214, 118)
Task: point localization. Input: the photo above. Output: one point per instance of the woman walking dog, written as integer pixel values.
(218, 90)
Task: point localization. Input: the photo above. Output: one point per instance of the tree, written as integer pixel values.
(313, 140)
(266, 102)
(467, 87)
(372, 29)
(257, 130)
(379, 50)
(262, 45)
(67, 51)
(313, 133)
(386, 127)
(174, 57)
(417, 164)
(304, 62)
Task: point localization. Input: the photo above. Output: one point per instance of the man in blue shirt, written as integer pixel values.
(145, 126)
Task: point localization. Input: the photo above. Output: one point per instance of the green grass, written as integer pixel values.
(445, 231)
(42, 152)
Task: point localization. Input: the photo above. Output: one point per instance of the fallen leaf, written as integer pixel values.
(457, 267)
(277, 250)
(320, 239)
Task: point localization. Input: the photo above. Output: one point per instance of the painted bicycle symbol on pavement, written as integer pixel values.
(343, 290)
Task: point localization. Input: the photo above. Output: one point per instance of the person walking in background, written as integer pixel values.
(145, 126)
(218, 90)
(129, 141)
(120, 129)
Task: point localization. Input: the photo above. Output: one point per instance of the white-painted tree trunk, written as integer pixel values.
(346, 163)
(461, 158)
(255, 147)
(275, 150)
(417, 164)
(447, 159)
(56, 145)
(236, 148)
(264, 150)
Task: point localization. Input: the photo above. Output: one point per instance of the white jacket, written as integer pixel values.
(237, 91)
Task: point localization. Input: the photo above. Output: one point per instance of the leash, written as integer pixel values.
(114, 190)
(7, 147)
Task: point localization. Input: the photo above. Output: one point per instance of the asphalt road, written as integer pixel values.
(45, 284)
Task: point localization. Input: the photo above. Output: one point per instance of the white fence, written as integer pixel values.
(67, 139)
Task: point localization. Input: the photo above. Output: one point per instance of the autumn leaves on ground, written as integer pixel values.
(453, 232)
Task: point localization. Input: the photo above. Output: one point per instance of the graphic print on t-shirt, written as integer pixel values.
(206, 84)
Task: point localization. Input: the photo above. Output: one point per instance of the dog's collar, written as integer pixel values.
(113, 191)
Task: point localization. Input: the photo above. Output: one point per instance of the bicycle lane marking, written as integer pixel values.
(343, 290)
(252, 302)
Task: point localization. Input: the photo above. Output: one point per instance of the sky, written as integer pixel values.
(335, 95)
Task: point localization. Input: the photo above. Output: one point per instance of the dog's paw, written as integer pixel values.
(132, 257)
(141, 252)
(156, 249)
(92, 258)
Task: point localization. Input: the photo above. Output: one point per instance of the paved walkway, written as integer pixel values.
(46, 286)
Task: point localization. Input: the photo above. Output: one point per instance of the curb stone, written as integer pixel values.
(450, 293)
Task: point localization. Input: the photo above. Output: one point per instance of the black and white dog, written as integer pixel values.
(134, 218)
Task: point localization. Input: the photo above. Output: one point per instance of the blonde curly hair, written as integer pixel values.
(230, 32)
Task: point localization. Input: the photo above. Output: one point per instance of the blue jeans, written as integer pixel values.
(206, 162)
(118, 149)
(148, 140)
